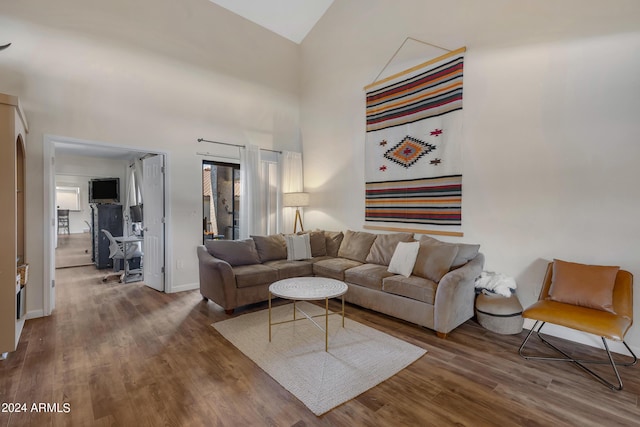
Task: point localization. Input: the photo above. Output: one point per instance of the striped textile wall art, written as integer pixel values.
(413, 165)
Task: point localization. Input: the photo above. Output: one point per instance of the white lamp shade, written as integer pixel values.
(295, 199)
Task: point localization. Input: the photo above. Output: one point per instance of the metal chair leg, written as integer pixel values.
(579, 362)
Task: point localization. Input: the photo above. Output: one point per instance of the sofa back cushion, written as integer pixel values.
(434, 258)
(318, 242)
(271, 247)
(235, 252)
(385, 245)
(356, 245)
(466, 252)
(333, 240)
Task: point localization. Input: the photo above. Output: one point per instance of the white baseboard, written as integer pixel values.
(34, 314)
(183, 288)
(581, 337)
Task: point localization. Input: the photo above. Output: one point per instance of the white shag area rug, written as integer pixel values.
(358, 359)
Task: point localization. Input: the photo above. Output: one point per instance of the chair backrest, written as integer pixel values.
(622, 291)
(63, 213)
(115, 249)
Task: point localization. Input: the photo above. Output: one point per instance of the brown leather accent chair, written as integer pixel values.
(610, 324)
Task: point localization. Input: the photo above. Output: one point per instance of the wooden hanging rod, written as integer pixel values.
(414, 230)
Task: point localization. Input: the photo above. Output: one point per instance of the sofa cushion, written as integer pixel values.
(434, 258)
(466, 252)
(367, 275)
(584, 285)
(333, 240)
(404, 258)
(235, 252)
(254, 275)
(333, 267)
(384, 246)
(356, 245)
(287, 269)
(414, 287)
(271, 247)
(318, 242)
(298, 247)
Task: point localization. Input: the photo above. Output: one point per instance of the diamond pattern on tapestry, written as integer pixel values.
(408, 151)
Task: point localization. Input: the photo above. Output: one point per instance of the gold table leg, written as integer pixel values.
(326, 324)
(269, 316)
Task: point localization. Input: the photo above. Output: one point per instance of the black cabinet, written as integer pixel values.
(107, 217)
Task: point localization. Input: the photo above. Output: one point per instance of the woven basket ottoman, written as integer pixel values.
(499, 314)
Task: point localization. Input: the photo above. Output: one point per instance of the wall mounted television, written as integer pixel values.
(104, 190)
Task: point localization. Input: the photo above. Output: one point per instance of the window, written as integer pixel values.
(68, 197)
(220, 200)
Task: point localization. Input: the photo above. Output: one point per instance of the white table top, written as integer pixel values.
(308, 288)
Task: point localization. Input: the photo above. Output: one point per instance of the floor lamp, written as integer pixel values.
(296, 200)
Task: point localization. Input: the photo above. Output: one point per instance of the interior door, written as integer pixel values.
(153, 221)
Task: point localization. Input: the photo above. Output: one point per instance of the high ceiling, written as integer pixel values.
(292, 19)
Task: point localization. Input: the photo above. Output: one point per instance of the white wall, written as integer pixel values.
(154, 75)
(551, 137)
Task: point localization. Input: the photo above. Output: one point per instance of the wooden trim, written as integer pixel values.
(15, 102)
(414, 230)
(417, 67)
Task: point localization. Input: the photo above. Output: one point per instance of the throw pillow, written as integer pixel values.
(318, 242)
(356, 245)
(235, 252)
(404, 258)
(434, 258)
(384, 247)
(298, 247)
(584, 285)
(333, 239)
(271, 247)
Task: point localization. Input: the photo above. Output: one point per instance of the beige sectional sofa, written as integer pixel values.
(438, 292)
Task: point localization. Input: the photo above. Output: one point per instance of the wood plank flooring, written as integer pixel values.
(126, 355)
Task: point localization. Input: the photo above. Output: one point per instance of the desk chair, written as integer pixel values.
(63, 221)
(116, 253)
(594, 299)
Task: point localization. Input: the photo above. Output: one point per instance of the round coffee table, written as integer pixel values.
(308, 289)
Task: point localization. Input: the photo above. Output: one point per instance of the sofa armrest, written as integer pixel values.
(455, 295)
(217, 280)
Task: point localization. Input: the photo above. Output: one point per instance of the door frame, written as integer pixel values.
(49, 142)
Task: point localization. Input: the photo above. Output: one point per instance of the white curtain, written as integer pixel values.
(292, 181)
(264, 177)
(250, 192)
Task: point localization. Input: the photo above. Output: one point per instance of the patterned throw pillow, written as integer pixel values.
(298, 247)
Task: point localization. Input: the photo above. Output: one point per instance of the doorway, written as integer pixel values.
(220, 200)
(96, 151)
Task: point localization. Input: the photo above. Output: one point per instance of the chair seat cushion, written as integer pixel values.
(597, 322)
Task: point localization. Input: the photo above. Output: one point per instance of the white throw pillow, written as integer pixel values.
(298, 247)
(404, 258)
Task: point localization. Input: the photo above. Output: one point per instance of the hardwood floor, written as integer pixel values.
(127, 355)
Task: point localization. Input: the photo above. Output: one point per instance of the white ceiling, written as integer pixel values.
(292, 19)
